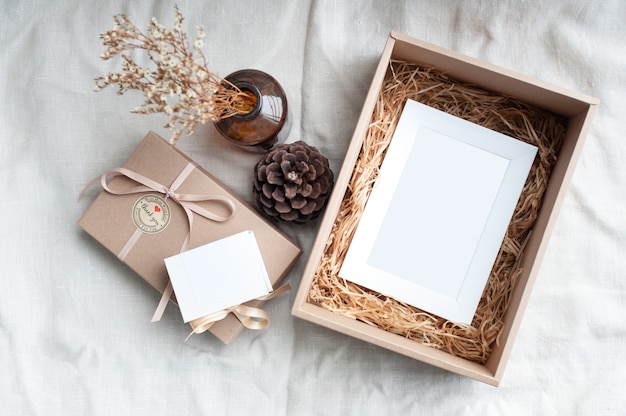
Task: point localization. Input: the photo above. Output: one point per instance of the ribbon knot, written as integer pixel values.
(249, 316)
(186, 201)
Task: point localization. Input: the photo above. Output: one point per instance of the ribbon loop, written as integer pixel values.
(249, 316)
(148, 185)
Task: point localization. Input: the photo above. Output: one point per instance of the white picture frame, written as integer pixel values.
(436, 217)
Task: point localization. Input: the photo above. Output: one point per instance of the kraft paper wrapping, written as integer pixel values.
(110, 221)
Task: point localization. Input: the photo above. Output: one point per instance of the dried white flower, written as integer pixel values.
(180, 85)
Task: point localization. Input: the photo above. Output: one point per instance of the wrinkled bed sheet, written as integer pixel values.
(75, 331)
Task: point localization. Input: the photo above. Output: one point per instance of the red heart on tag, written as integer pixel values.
(157, 209)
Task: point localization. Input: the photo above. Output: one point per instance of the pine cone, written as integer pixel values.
(292, 182)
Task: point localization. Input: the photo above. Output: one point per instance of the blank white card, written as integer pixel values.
(218, 275)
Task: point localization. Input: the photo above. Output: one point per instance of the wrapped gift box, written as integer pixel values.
(143, 228)
(576, 109)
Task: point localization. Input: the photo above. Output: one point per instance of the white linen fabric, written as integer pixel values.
(75, 331)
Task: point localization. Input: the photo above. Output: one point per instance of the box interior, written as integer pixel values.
(576, 108)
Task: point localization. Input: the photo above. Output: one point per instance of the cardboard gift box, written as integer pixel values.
(144, 226)
(578, 111)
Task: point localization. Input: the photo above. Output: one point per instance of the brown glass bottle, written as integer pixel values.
(260, 127)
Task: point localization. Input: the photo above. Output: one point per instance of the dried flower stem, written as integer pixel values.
(179, 84)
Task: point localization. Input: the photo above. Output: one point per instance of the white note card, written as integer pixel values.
(218, 275)
(437, 215)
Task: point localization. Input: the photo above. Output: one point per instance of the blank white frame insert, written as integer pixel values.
(435, 220)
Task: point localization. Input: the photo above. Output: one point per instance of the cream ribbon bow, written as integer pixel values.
(186, 201)
(250, 317)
